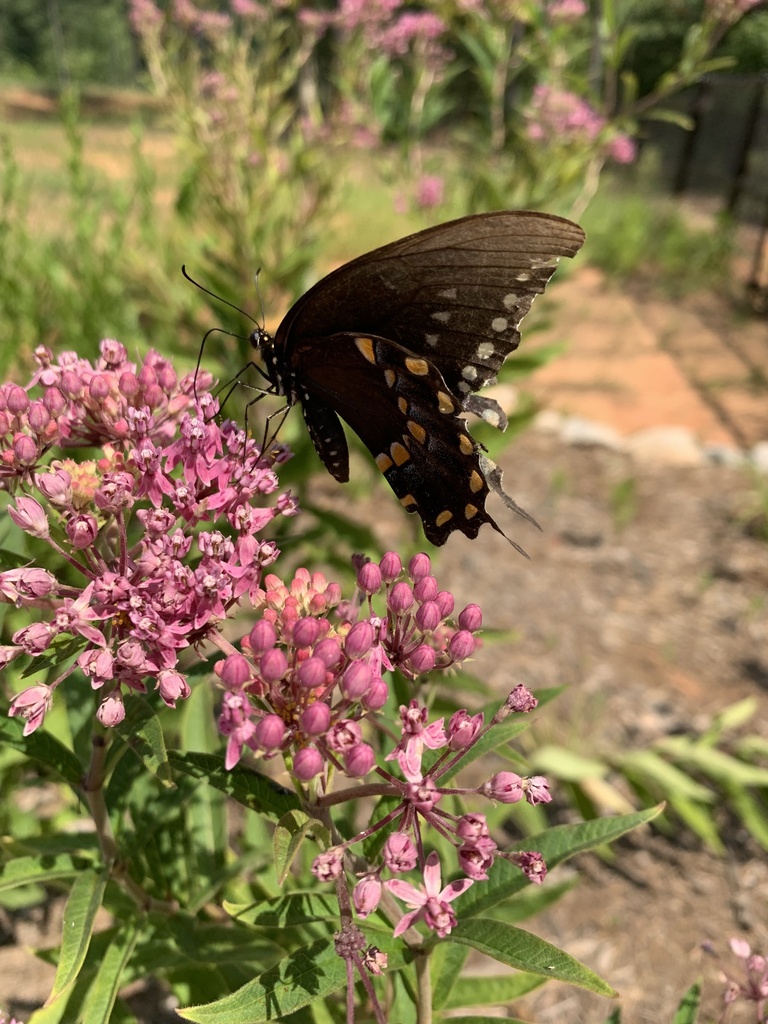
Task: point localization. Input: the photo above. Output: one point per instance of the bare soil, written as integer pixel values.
(645, 596)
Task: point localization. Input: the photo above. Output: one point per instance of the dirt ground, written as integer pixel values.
(650, 609)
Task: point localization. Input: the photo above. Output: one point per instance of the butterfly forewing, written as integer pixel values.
(398, 341)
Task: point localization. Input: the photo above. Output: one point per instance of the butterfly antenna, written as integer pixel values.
(217, 297)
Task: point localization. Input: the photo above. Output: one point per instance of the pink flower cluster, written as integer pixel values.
(383, 26)
(566, 10)
(419, 809)
(140, 524)
(560, 117)
(751, 987)
(313, 668)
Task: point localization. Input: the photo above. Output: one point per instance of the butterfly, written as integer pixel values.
(397, 344)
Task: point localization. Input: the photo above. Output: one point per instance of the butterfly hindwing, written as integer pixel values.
(400, 407)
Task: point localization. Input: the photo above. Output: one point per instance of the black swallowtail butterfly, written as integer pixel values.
(398, 341)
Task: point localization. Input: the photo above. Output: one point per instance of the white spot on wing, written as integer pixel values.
(523, 276)
(448, 293)
(469, 372)
(443, 316)
(485, 350)
(499, 323)
(510, 301)
(431, 339)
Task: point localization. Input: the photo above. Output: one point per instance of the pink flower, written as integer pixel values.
(431, 903)
(32, 705)
(622, 149)
(429, 191)
(366, 895)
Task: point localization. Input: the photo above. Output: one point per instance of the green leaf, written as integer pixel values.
(555, 845)
(751, 812)
(43, 747)
(446, 964)
(647, 766)
(290, 833)
(104, 989)
(470, 990)
(306, 975)
(42, 869)
(298, 908)
(688, 1010)
(499, 736)
(516, 948)
(142, 731)
(713, 763)
(243, 784)
(567, 764)
(79, 914)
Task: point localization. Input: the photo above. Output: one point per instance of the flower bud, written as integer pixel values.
(172, 686)
(399, 853)
(70, 384)
(273, 665)
(428, 616)
(425, 589)
(17, 400)
(359, 640)
(38, 417)
(356, 680)
(306, 631)
(377, 695)
(359, 760)
(315, 719)
(32, 705)
(422, 660)
(463, 729)
(311, 673)
(30, 517)
(307, 764)
(445, 603)
(24, 450)
(366, 895)
(329, 652)
(82, 530)
(390, 566)
(400, 598)
(111, 711)
(521, 700)
(505, 787)
(54, 401)
(270, 731)
(235, 671)
(262, 637)
(471, 618)
(461, 645)
(98, 388)
(419, 566)
(369, 578)
(56, 487)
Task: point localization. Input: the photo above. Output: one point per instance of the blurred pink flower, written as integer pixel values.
(622, 149)
(429, 191)
(566, 10)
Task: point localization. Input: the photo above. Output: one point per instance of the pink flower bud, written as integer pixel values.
(532, 864)
(366, 895)
(98, 387)
(390, 566)
(537, 790)
(428, 616)
(270, 732)
(422, 660)
(32, 705)
(235, 671)
(399, 853)
(359, 760)
(462, 645)
(54, 401)
(153, 396)
(307, 764)
(425, 589)
(521, 700)
(70, 384)
(419, 566)
(369, 578)
(111, 711)
(34, 638)
(377, 695)
(327, 866)
(356, 680)
(329, 652)
(262, 637)
(305, 632)
(24, 450)
(82, 530)
(463, 729)
(475, 863)
(400, 598)
(129, 384)
(30, 517)
(38, 417)
(445, 603)
(359, 640)
(273, 665)
(20, 585)
(172, 686)
(147, 376)
(315, 719)
(112, 352)
(56, 487)
(311, 673)
(472, 827)
(17, 400)
(505, 787)
(471, 618)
